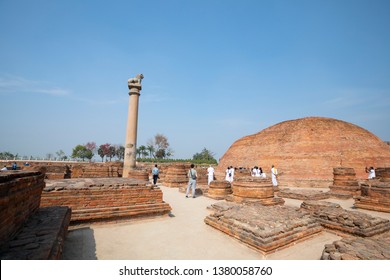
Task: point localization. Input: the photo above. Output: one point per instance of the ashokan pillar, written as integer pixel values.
(132, 122)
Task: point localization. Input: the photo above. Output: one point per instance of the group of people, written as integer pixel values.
(14, 167)
(258, 172)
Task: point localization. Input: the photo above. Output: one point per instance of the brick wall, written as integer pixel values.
(20, 195)
(105, 198)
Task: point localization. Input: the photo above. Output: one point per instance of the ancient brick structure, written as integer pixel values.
(219, 189)
(63, 170)
(345, 184)
(306, 150)
(27, 231)
(375, 195)
(105, 198)
(344, 221)
(176, 176)
(96, 170)
(303, 194)
(20, 196)
(265, 228)
(254, 189)
(383, 174)
(357, 248)
(138, 174)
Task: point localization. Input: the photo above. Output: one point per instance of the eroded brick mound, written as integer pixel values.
(265, 228)
(355, 248)
(303, 194)
(335, 218)
(42, 236)
(175, 176)
(375, 195)
(219, 189)
(105, 198)
(254, 189)
(306, 150)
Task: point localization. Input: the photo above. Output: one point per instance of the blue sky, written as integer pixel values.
(215, 70)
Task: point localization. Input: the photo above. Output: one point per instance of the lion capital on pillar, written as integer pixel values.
(135, 84)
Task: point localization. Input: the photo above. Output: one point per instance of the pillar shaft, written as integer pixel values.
(131, 131)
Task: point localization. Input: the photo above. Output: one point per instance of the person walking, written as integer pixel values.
(155, 173)
(210, 173)
(274, 173)
(192, 175)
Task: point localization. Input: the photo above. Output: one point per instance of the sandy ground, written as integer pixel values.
(183, 235)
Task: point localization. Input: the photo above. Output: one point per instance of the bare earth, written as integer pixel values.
(183, 236)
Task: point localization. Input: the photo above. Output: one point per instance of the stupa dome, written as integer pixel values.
(306, 150)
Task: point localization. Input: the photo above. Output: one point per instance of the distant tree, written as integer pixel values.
(158, 147)
(120, 152)
(82, 152)
(150, 148)
(91, 146)
(204, 155)
(49, 156)
(111, 152)
(141, 151)
(7, 155)
(104, 150)
(61, 155)
(160, 154)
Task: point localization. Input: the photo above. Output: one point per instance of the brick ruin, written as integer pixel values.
(254, 189)
(27, 231)
(219, 189)
(333, 217)
(54, 170)
(306, 150)
(265, 228)
(105, 199)
(345, 184)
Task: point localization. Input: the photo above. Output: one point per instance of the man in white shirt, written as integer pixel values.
(210, 173)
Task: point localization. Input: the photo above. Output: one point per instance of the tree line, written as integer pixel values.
(157, 149)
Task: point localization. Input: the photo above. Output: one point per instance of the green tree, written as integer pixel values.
(120, 152)
(205, 155)
(7, 155)
(141, 151)
(82, 152)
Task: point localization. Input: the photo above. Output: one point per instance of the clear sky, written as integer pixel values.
(215, 70)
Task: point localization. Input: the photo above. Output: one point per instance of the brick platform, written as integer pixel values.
(265, 228)
(356, 248)
(42, 236)
(335, 218)
(105, 198)
(303, 194)
(375, 195)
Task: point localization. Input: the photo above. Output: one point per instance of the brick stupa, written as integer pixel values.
(306, 150)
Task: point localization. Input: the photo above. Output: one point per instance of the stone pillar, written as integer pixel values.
(132, 122)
